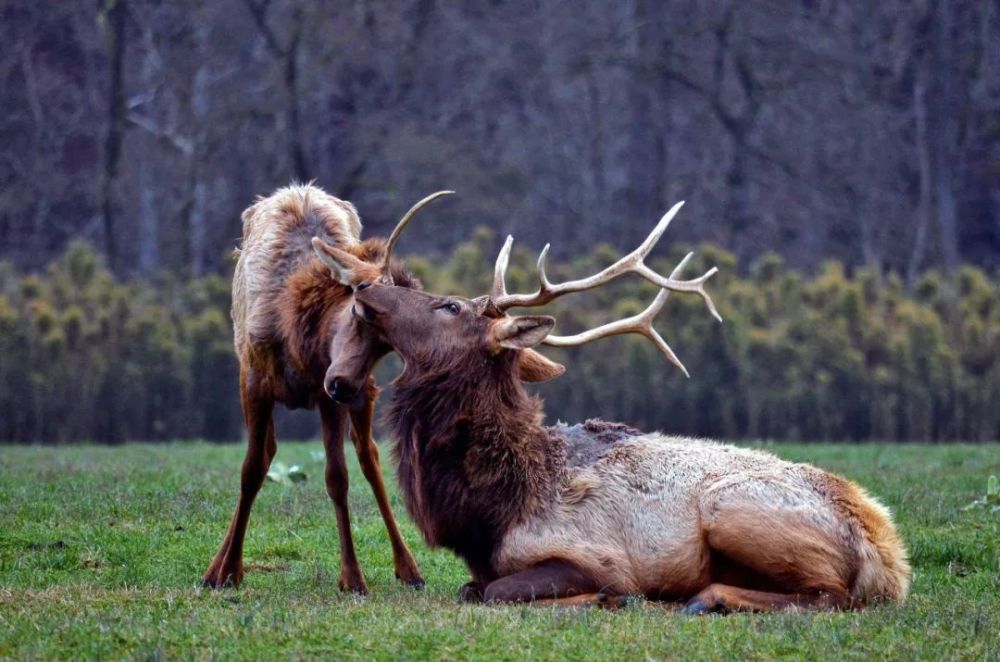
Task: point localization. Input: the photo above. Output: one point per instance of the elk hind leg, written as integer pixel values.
(725, 598)
(371, 466)
(594, 600)
(226, 568)
(767, 559)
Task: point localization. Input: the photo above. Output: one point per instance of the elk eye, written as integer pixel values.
(363, 312)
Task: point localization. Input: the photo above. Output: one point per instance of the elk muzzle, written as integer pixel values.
(340, 389)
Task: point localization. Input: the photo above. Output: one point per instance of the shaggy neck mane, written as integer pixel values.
(469, 472)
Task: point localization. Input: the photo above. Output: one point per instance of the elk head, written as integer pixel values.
(444, 333)
(357, 346)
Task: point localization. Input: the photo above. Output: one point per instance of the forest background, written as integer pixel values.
(840, 163)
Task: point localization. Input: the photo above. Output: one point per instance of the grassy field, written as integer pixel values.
(102, 549)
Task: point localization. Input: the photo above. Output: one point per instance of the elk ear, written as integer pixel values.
(533, 367)
(519, 332)
(342, 264)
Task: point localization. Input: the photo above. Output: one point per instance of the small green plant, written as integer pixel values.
(992, 498)
(281, 473)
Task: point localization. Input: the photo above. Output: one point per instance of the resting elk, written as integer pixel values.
(593, 512)
(288, 312)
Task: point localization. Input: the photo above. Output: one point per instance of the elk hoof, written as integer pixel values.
(624, 602)
(220, 579)
(353, 583)
(698, 606)
(413, 581)
(357, 589)
(471, 592)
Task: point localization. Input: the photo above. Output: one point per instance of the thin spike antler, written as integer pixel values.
(631, 263)
(398, 230)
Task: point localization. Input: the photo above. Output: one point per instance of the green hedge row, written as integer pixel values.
(87, 357)
(830, 356)
(797, 357)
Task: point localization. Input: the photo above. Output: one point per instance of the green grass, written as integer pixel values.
(102, 549)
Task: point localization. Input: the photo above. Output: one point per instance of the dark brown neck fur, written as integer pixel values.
(469, 472)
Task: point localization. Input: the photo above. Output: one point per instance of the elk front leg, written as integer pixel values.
(361, 433)
(552, 580)
(351, 578)
(226, 569)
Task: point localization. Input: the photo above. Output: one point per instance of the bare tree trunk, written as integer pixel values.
(289, 56)
(924, 167)
(599, 186)
(149, 218)
(869, 252)
(197, 225)
(645, 139)
(149, 256)
(947, 213)
(943, 130)
(115, 16)
(199, 193)
(36, 241)
(738, 209)
(296, 146)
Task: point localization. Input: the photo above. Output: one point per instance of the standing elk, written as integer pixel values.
(589, 513)
(289, 311)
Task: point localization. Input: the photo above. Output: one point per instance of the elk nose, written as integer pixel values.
(339, 390)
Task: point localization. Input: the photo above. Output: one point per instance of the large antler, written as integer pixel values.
(631, 263)
(398, 230)
(641, 324)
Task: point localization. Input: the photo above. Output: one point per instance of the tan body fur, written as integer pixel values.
(647, 515)
(276, 235)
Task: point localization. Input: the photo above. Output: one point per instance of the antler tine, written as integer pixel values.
(403, 222)
(499, 289)
(695, 285)
(641, 324)
(543, 280)
(631, 263)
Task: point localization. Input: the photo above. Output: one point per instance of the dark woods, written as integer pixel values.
(86, 356)
(865, 132)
